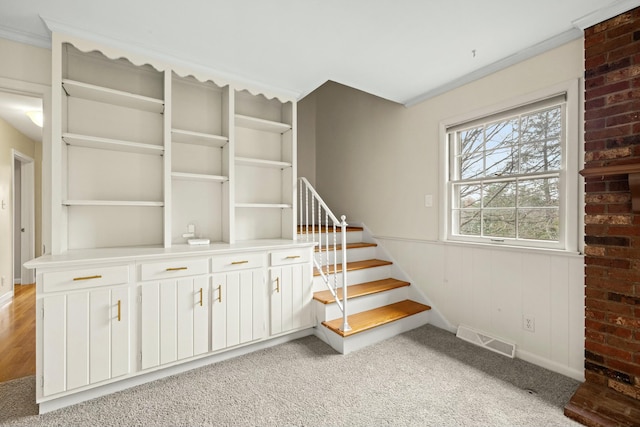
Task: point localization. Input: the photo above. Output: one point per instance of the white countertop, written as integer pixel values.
(129, 254)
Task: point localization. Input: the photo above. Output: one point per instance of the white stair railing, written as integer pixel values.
(318, 224)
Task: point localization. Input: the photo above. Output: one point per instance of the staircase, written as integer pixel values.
(379, 306)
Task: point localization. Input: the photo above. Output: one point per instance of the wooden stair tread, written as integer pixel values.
(355, 265)
(361, 289)
(302, 229)
(358, 245)
(366, 320)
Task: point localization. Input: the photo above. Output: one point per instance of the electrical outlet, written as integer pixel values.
(529, 323)
(2, 280)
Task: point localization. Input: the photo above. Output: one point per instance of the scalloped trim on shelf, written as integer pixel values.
(117, 49)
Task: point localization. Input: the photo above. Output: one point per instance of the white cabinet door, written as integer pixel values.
(237, 308)
(290, 292)
(174, 320)
(85, 338)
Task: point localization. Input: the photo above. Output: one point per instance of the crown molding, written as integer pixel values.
(25, 37)
(530, 52)
(605, 13)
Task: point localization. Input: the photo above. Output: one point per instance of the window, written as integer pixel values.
(506, 176)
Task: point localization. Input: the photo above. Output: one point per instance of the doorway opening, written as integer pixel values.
(21, 152)
(23, 217)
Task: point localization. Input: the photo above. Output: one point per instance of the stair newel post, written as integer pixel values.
(343, 226)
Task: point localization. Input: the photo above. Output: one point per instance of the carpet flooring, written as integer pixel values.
(425, 377)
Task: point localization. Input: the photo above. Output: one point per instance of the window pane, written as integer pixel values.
(500, 195)
(539, 224)
(502, 161)
(499, 223)
(542, 125)
(471, 140)
(471, 166)
(469, 222)
(502, 134)
(468, 196)
(540, 156)
(542, 192)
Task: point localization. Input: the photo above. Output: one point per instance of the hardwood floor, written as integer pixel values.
(18, 334)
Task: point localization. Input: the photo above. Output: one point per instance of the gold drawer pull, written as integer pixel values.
(239, 262)
(119, 310)
(277, 284)
(200, 297)
(293, 257)
(87, 278)
(177, 268)
(219, 293)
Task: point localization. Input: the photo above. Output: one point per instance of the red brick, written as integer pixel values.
(622, 119)
(608, 133)
(617, 209)
(619, 331)
(627, 28)
(608, 350)
(631, 346)
(594, 103)
(595, 336)
(623, 52)
(594, 186)
(595, 124)
(624, 73)
(624, 96)
(617, 21)
(623, 366)
(612, 88)
(622, 320)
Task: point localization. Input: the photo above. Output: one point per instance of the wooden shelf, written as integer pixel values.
(632, 169)
(111, 144)
(198, 138)
(246, 161)
(261, 124)
(264, 205)
(112, 96)
(198, 177)
(112, 203)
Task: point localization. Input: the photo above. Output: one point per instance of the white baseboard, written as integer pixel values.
(6, 297)
(550, 365)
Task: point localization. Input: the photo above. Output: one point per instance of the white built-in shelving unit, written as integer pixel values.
(147, 152)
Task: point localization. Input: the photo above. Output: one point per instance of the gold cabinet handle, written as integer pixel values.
(239, 262)
(219, 293)
(293, 257)
(119, 310)
(200, 297)
(87, 277)
(177, 268)
(277, 284)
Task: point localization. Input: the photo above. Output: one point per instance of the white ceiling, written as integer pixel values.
(13, 109)
(402, 50)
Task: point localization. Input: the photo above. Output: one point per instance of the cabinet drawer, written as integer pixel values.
(237, 262)
(290, 256)
(173, 268)
(86, 278)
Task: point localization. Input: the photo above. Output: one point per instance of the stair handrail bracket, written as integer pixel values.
(318, 224)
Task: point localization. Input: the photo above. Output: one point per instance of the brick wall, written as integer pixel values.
(612, 270)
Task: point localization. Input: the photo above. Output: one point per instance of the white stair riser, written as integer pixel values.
(355, 277)
(372, 336)
(360, 304)
(352, 237)
(359, 254)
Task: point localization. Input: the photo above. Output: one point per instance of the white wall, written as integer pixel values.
(23, 69)
(375, 162)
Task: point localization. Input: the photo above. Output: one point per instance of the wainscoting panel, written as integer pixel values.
(495, 289)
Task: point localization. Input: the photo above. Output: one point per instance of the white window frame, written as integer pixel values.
(569, 178)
